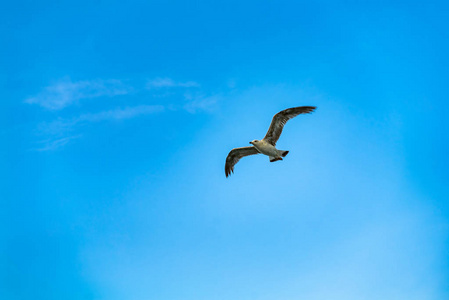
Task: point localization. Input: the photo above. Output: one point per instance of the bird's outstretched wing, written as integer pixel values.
(235, 155)
(279, 120)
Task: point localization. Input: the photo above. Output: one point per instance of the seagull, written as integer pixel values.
(267, 145)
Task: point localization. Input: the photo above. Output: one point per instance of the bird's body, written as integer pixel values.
(267, 145)
(266, 148)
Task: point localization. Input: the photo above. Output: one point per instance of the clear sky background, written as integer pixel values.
(116, 118)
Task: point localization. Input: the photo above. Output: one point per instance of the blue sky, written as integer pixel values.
(116, 119)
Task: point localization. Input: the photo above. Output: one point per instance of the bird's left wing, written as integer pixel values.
(235, 155)
(279, 120)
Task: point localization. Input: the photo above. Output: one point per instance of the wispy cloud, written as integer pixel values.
(60, 128)
(60, 131)
(65, 92)
(50, 145)
(121, 113)
(169, 83)
(63, 125)
(196, 104)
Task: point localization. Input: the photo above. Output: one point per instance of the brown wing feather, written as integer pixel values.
(235, 155)
(279, 120)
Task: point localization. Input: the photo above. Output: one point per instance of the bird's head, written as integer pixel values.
(254, 142)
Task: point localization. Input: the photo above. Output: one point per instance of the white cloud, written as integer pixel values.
(54, 144)
(121, 113)
(61, 127)
(65, 92)
(168, 82)
(207, 104)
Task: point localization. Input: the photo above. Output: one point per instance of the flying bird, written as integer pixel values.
(267, 145)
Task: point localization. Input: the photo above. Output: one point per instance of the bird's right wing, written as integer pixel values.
(235, 155)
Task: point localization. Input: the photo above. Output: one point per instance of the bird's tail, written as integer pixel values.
(283, 153)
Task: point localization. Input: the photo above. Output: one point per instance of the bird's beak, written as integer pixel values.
(250, 142)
